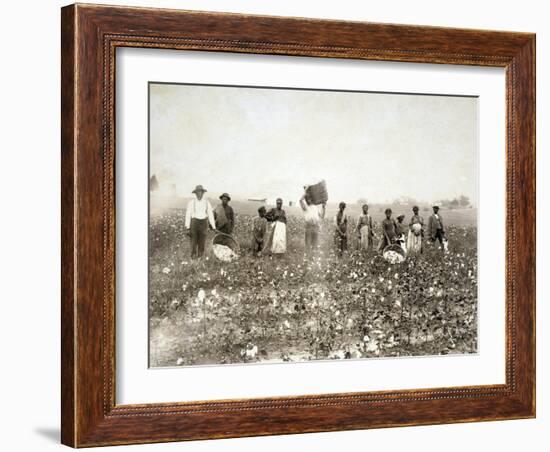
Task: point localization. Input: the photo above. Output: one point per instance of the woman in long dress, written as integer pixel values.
(416, 232)
(364, 229)
(276, 243)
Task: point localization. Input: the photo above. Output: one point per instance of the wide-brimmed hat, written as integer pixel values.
(435, 207)
(225, 195)
(199, 188)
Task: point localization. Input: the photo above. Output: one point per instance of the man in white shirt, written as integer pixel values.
(313, 215)
(197, 216)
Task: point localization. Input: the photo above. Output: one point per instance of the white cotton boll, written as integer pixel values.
(251, 351)
(372, 347)
(201, 295)
(340, 354)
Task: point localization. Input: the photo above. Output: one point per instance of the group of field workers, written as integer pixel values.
(269, 228)
(393, 231)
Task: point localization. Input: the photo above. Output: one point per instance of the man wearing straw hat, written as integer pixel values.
(224, 215)
(197, 216)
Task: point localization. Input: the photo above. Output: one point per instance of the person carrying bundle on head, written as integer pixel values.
(313, 216)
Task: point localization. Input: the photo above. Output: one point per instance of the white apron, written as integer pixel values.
(414, 242)
(365, 235)
(279, 238)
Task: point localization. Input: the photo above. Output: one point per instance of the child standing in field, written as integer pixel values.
(389, 231)
(416, 232)
(436, 230)
(400, 230)
(364, 229)
(259, 229)
(341, 230)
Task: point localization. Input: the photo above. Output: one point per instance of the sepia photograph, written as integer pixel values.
(293, 225)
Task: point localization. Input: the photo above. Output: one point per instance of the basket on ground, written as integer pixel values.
(394, 254)
(225, 247)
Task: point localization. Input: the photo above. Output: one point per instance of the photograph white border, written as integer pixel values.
(136, 383)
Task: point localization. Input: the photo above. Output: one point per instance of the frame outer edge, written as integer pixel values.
(86, 420)
(525, 61)
(68, 230)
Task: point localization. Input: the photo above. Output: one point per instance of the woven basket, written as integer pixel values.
(221, 238)
(318, 193)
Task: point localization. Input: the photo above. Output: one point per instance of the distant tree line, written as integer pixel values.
(460, 202)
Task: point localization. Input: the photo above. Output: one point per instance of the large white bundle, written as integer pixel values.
(224, 253)
(393, 257)
(416, 228)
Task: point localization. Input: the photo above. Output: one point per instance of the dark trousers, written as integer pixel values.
(341, 242)
(312, 237)
(258, 245)
(198, 236)
(439, 235)
(226, 228)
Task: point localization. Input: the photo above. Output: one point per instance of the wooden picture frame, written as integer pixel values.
(90, 35)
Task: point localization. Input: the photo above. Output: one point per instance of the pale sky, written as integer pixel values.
(261, 142)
